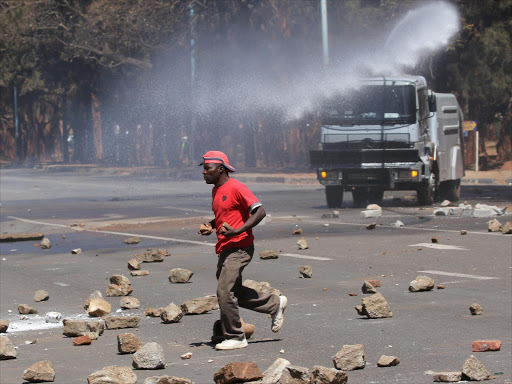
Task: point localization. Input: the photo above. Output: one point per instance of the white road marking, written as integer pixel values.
(304, 256)
(189, 209)
(440, 246)
(460, 275)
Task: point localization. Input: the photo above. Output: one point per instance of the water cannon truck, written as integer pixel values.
(390, 134)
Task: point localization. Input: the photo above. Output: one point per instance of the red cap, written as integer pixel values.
(217, 157)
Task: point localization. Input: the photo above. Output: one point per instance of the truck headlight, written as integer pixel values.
(323, 174)
(414, 174)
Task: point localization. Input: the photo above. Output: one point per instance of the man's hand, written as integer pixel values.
(227, 230)
(205, 229)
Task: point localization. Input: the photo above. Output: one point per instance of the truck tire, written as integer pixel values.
(360, 197)
(450, 190)
(334, 196)
(375, 195)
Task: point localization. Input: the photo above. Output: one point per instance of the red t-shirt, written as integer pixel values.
(232, 203)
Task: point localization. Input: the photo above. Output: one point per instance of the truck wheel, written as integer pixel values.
(334, 196)
(450, 190)
(360, 197)
(426, 193)
(375, 195)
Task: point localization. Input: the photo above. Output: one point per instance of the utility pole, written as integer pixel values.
(16, 127)
(193, 121)
(325, 36)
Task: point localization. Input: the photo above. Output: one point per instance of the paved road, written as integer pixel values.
(429, 331)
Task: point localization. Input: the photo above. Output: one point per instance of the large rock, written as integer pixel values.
(375, 307)
(119, 322)
(41, 295)
(350, 357)
(129, 303)
(368, 287)
(421, 284)
(113, 375)
(306, 271)
(507, 228)
(293, 374)
(171, 314)
(275, 371)
(447, 377)
(388, 361)
(269, 254)
(73, 328)
(99, 307)
(154, 312)
(494, 226)
(94, 295)
(200, 305)
(324, 375)
(133, 264)
(149, 356)
(4, 324)
(40, 372)
(81, 340)
(302, 243)
(127, 343)
(7, 350)
(152, 256)
(166, 380)
(25, 309)
(476, 309)
(119, 286)
(180, 275)
(262, 286)
(237, 372)
(474, 370)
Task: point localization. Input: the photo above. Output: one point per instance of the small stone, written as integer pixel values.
(462, 232)
(99, 307)
(446, 203)
(375, 307)
(306, 271)
(94, 295)
(302, 244)
(269, 254)
(53, 317)
(397, 224)
(142, 272)
(82, 340)
(152, 256)
(40, 372)
(45, 243)
(76, 251)
(154, 312)
(324, 375)
(63, 236)
(127, 343)
(421, 284)
(368, 287)
(166, 380)
(476, 309)
(441, 286)
(171, 314)
(113, 375)
(133, 264)
(149, 356)
(132, 240)
(447, 377)
(297, 232)
(371, 226)
(119, 286)
(200, 305)
(507, 228)
(375, 283)
(186, 356)
(25, 309)
(388, 361)
(486, 345)
(474, 370)
(180, 275)
(435, 240)
(350, 357)
(7, 350)
(371, 213)
(119, 322)
(281, 351)
(374, 207)
(4, 324)
(353, 294)
(237, 372)
(494, 226)
(73, 328)
(41, 295)
(30, 342)
(129, 303)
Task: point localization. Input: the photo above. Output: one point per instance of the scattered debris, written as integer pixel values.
(371, 226)
(375, 307)
(91, 328)
(180, 275)
(421, 284)
(76, 251)
(154, 312)
(171, 314)
(11, 237)
(269, 254)
(53, 317)
(474, 370)
(7, 350)
(353, 294)
(322, 375)
(275, 371)
(435, 240)
(119, 322)
(325, 225)
(127, 343)
(371, 213)
(133, 264)
(368, 287)
(306, 271)
(507, 228)
(119, 286)
(132, 240)
(484, 210)
(293, 374)
(330, 215)
(447, 377)
(388, 361)
(24, 309)
(98, 307)
(297, 231)
(237, 372)
(397, 224)
(166, 380)
(45, 243)
(113, 374)
(149, 356)
(441, 286)
(463, 232)
(485, 345)
(302, 243)
(446, 203)
(4, 324)
(350, 357)
(29, 342)
(261, 287)
(151, 256)
(41, 295)
(494, 226)
(186, 356)
(63, 236)
(129, 303)
(82, 340)
(476, 309)
(200, 305)
(142, 272)
(40, 372)
(453, 211)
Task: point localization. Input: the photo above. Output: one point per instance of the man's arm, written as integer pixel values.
(256, 216)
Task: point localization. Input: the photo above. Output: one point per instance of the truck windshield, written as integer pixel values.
(372, 104)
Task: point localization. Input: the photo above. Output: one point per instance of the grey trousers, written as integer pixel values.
(232, 294)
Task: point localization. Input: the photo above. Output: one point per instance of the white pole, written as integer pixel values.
(476, 152)
(325, 41)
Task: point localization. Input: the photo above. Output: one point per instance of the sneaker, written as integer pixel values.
(232, 344)
(278, 317)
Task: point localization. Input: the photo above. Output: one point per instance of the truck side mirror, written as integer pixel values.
(432, 107)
